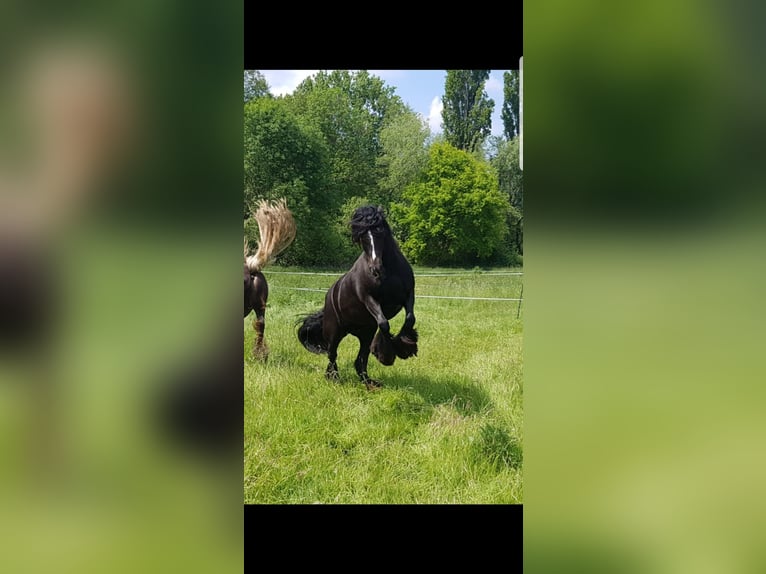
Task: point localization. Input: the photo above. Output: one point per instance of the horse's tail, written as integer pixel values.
(276, 227)
(310, 332)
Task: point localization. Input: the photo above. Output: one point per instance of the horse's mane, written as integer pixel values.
(368, 218)
(277, 231)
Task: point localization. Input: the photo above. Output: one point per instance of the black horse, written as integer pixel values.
(375, 289)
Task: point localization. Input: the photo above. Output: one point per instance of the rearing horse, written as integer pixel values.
(375, 289)
(276, 226)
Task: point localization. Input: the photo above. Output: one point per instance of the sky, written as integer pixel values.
(422, 90)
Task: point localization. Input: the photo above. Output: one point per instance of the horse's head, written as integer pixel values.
(370, 230)
(373, 245)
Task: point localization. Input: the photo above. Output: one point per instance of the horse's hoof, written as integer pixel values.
(373, 385)
(405, 346)
(383, 349)
(261, 353)
(332, 376)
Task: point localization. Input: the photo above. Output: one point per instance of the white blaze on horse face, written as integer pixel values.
(372, 246)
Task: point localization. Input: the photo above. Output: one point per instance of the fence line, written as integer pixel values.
(419, 296)
(499, 273)
(467, 298)
(417, 275)
(303, 273)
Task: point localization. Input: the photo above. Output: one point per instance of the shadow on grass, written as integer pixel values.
(433, 390)
(458, 391)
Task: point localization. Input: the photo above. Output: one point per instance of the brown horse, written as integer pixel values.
(375, 289)
(276, 226)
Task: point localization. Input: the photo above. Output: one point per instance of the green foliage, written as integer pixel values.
(350, 159)
(510, 111)
(343, 139)
(467, 112)
(349, 109)
(511, 184)
(456, 215)
(316, 242)
(404, 156)
(256, 85)
(320, 148)
(279, 150)
(285, 158)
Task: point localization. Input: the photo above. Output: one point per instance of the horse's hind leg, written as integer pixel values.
(256, 297)
(333, 335)
(332, 365)
(360, 364)
(260, 349)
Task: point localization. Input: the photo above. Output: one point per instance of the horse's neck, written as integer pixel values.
(392, 253)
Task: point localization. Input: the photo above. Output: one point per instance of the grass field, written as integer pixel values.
(446, 428)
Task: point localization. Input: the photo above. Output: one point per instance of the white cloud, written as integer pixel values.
(284, 82)
(435, 115)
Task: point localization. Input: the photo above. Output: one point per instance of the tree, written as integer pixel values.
(350, 109)
(367, 93)
(404, 155)
(285, 158)
(256, 85)
(510, 111)
(278, 149)
(456, 214)
(467, 113)
(510, 182)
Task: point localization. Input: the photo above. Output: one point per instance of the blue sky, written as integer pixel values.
(422, 90)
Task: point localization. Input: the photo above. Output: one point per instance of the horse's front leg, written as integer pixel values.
(409, 309)
(360, 364)
(383, 344)
(406, 342)
(374, 308)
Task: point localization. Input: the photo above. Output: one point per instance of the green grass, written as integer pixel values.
(446, 428)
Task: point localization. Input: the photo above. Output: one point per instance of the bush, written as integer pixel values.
(456, 215)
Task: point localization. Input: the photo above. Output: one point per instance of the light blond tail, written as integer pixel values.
(276, 227)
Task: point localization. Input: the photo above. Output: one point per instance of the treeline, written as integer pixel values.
(344, 139)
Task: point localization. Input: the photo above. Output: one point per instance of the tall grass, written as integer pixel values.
(446, 428)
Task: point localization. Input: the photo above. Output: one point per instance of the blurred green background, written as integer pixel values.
(644, 267)
(121, 184)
